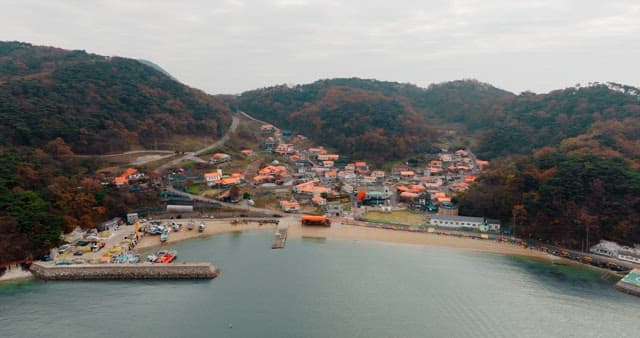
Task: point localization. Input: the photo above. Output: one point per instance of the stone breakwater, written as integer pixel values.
(46, 271)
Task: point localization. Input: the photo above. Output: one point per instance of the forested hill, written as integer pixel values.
(96, 104)
(360, 118)
(500, 123)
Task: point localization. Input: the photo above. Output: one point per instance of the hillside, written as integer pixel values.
(365, 120)
(54, 103)
(96, 104)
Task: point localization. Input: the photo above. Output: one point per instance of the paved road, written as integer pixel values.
(193, 156)
(227, 205)
(129, 153)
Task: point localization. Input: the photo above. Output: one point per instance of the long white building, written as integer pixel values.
(480, 223)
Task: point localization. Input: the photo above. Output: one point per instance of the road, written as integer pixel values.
(224, 204)
(193, 156)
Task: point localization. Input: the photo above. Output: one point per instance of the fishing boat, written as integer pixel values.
(201, 227)
(190, 225)
(166, 256)
(164, 236)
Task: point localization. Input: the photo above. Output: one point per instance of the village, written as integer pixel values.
(269, 177)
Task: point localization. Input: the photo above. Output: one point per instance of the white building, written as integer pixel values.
(480, 223)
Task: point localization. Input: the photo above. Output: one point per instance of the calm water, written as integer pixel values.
(316, 288)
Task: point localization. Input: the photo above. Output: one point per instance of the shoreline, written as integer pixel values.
(349, 232)
(15, 275)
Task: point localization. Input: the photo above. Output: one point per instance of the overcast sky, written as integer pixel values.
(229, 46)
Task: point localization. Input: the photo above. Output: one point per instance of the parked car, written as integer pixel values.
(78, 253)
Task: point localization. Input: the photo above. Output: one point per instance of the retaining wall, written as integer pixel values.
(47, 271)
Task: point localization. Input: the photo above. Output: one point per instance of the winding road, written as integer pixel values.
(193, 156)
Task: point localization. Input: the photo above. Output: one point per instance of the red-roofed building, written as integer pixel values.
(290, 206)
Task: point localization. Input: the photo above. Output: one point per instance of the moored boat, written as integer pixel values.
(201, 227)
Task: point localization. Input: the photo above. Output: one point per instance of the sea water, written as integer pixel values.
(330, 288)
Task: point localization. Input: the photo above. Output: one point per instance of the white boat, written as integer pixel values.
(201, 227)
(190, 225)
(164, 236)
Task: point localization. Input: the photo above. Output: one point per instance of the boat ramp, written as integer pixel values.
(280, 236)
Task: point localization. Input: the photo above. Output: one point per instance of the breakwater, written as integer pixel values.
(46, 271)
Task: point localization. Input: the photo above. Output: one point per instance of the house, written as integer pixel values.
(378, 174)
(212, 178)
(328, 157)
(220, 158)
(479, 223)
(260, 179)
(407, 174)
(290, 206)
(397, 168)
(284, 149)
(334, 209)
(128, 174)
(267, 128)
(314, 152)
(482, 164)
(319, 201)
(229, 181)
(327, 164)
(362, 168)
(270, 143)
(275, 170)
(369, 180)
(247, 152)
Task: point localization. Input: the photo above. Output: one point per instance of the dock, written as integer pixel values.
(280, 237)
(630, 283)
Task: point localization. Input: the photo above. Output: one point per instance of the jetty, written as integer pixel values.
(630, 283)
(47, 271)
(280, 237)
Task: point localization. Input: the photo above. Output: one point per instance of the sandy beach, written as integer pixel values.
(349, 232)
(213, 227)
(15, 274)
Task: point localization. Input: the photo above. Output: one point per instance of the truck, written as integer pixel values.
(315, 220)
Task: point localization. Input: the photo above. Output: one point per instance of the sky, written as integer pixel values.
(229, 46)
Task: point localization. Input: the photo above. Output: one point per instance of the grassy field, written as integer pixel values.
(396, 217)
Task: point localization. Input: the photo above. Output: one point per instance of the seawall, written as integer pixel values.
(630, 283)
(47, 271)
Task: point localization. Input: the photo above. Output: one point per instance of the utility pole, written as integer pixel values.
(587, 244)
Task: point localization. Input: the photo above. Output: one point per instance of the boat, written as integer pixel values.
(190, 225)
(164, 236)
(166, 256)
(201, 227)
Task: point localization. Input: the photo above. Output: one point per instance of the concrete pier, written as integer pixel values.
(280, 237)
(630, 283)
(46, 271)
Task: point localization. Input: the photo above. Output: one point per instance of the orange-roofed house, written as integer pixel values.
(362, 168)
(407, 174)
(407, 195)
(470, 178)
(124, 178)
(276, 170)
(228, 181)
(402, 188)
(212, 178)
(319, 201)
(417, 188)
(314, 152)
(290, 206)
(482, 164)
(260, 179)
(331, 174)
(328, 157)
(220, 158)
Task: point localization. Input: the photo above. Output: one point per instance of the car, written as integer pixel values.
(63, 263)
(79, 261)
(78, 253)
